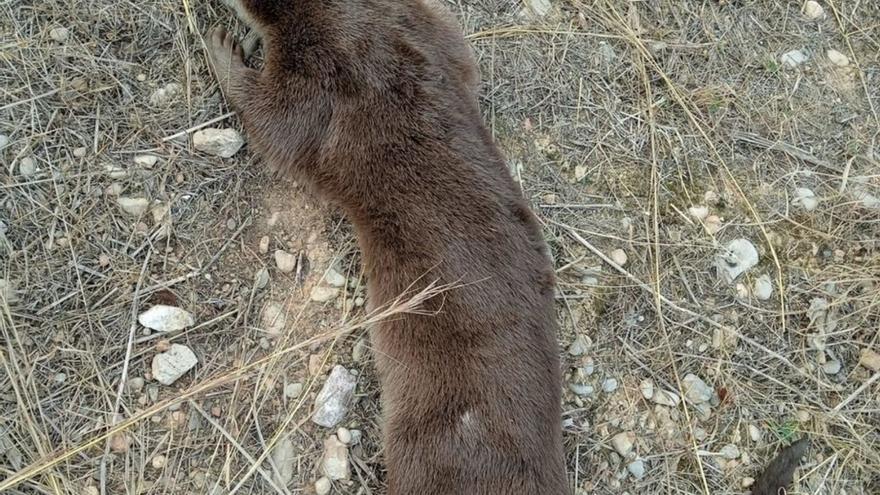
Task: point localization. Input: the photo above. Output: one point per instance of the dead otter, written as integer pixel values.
(373, 103)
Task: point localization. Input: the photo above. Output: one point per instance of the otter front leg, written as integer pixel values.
(253, 37)
(227, 58)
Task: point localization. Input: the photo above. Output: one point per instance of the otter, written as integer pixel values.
(373, 103)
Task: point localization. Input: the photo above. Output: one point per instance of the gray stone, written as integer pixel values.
(737, 258)
(334, 399)
(218, 142)
(334, 463)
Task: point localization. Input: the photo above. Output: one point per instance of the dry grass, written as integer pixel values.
(617, 116)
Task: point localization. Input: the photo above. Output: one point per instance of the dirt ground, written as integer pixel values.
(648, 135)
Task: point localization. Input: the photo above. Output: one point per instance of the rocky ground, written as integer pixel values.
(175, 320)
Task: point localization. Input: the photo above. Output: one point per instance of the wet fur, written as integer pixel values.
(373, 102)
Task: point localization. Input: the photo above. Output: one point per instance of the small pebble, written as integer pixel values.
(831, 367)
(793, 58)
(738, 257)
(285, 261)
(163, 318)
(218, 142)
(4, 141)
(754, 433)
(713, 224)
(730, 451)
(59, 34)
(264, 244)
(699, 212)
(762, 288)
(647, 389)
(747, 482)
(666, 398)
(334, 278)
(869, 359)
(274, 318)
(261, 278)
(581, 389)
(335, 397)
(133, 206)
(636, 468)
(334, 463)
(579, 346)
(27, 167)
(230, 224)
(293, 390)
(146, 161)
(168, 366)
(79, 152)
(60, 377)
(158, 462)
(619, 256)
(322, 486)
(623, 443)
(813, 10)
(165, 95)
(344, 435)
(837, 58)
(805, 198)
(695, 389)
(323, 294)
(609, 385)
(802, 416)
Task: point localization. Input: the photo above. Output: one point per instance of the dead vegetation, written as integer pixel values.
(662, 130)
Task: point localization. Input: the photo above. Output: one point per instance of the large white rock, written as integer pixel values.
(218, 142)
(170, 365)
(166, 318)
(334, 399)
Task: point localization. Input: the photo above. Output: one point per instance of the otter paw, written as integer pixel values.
(226, 55)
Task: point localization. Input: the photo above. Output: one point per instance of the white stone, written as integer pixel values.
(619, 256)
(579, 346)
(623, 443)
(59, 34)
(27, 167)
(581, 389)
(813, 10)
(145, 160)
(539, 8)
(133, 206)
(747, 482)
(755, 433)
(647, 389)
(793, 58)
(344, 435)
(218, 142)
(334, 399)
(869, 359)
(713, 224)
(334, 278)
(609, 385)
(163, 96)
(762, 288)
(334, 463)
(730, 451)
(699, 212)
(284, 461)
(170, 365)
(164, 318)
(285, 261)
(274, 318)
(666, 398)
(293, 390)
(695, 389)
(4, 141)
(837, 58)
(264, 244)
(738, 257)
(261, 278)
(805, 198)
(322, 486)
(636, 468)
(322, 294)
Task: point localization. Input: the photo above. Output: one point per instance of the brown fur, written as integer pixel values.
(373, 102)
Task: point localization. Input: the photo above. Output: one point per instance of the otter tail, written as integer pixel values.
(780, 471)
